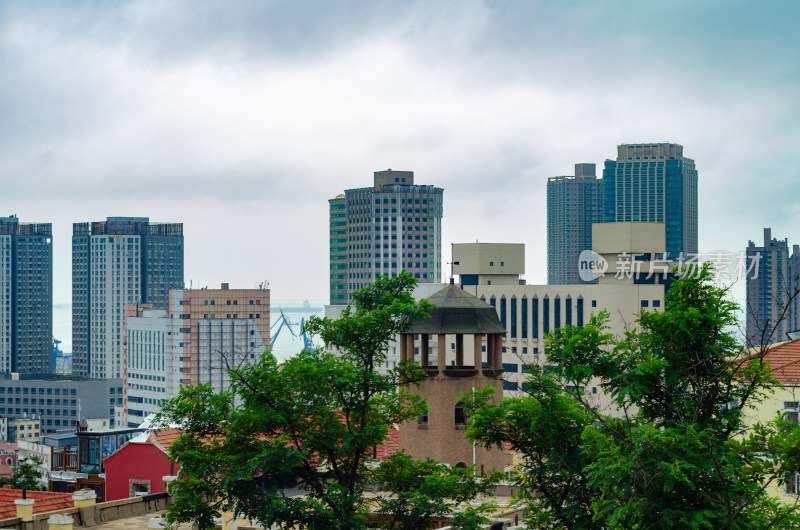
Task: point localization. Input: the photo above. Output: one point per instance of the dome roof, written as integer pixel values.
(458, 312)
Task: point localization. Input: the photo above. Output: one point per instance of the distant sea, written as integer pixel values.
(287, 344)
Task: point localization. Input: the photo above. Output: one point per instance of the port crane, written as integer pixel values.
(283, 320)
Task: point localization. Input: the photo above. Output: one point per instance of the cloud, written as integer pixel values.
(242, 119)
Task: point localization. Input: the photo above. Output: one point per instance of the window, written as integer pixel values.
(422, 419)
(460, 416)
(790, 484)
(790, 411)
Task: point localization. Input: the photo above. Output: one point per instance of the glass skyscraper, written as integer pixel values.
(573, 204)
(382, 230)
(26, 297)
(654, 183)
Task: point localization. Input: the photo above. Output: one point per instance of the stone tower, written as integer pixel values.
(472, 364)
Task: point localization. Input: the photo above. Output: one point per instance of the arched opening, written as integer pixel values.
(461, 465)
(422, 419)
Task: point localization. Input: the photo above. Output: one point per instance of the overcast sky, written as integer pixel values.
(240, 119)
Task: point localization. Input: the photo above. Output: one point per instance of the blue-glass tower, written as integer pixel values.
(654, 183)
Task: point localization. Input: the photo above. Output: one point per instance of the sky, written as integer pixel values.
(241, 119)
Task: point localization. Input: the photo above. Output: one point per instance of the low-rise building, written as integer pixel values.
(59, 401)
(28, 429)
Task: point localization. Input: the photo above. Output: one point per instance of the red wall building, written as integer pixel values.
(139, 466)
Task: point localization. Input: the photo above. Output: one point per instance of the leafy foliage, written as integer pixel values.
(420, 490)
(673, 454)
(315, 422)
(27, 476)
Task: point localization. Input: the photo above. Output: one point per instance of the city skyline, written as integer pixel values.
(241, 121)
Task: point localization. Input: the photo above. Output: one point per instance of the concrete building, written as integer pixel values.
(574, 203)
(123, 260)
(203, 333)
(26, 297)
(629, 285)
(382, 230)
(59, 401)
(654, 183)
(28, 429)
(772, 309)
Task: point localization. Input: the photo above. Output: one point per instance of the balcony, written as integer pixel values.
(64, 458)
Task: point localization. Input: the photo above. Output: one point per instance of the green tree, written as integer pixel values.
(417, 491)
(675, 454)
(316, 420)
(27, 476)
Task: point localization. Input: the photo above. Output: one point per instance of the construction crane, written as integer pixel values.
(59, 358)
(283, 320)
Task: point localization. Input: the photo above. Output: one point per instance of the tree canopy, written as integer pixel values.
(674, 453)
(314, 422)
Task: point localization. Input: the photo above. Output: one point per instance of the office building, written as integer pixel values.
(123, 260)
(26, 297)
(391, 226)
(58, 401)
(574, 203)
(773, 278)
(203, 334)
(654, 183)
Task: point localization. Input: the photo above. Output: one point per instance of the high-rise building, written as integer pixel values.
(26, 297)
(123, 260)
(654, 183)
(573, 204)
(382, 230)
(773, 278)
(203, 334)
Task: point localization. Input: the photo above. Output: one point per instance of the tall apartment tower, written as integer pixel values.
(123, 260)
(26, 297)
(654, 183)
(382, 230)
(573, 204)
(772, 309)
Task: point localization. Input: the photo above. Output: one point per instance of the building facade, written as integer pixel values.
(394, 225)
(59, 402)
(654, 183)
(202, 334)
(573, 205)
(772, 308)
(26, 297)
(123, 260)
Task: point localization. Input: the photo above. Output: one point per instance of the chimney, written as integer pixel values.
(59, 522)
(84, 498)
(24, 509)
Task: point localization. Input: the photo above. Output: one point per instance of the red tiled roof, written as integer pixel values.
(164, 437)
(9, 447)
(390, 446)
(45, 501)
(784, 361)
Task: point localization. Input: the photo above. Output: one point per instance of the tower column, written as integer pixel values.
(498, 351)
(424, 349)
(442, 351)
(477, 340)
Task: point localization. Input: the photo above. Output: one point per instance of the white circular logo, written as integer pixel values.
(591, 265)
